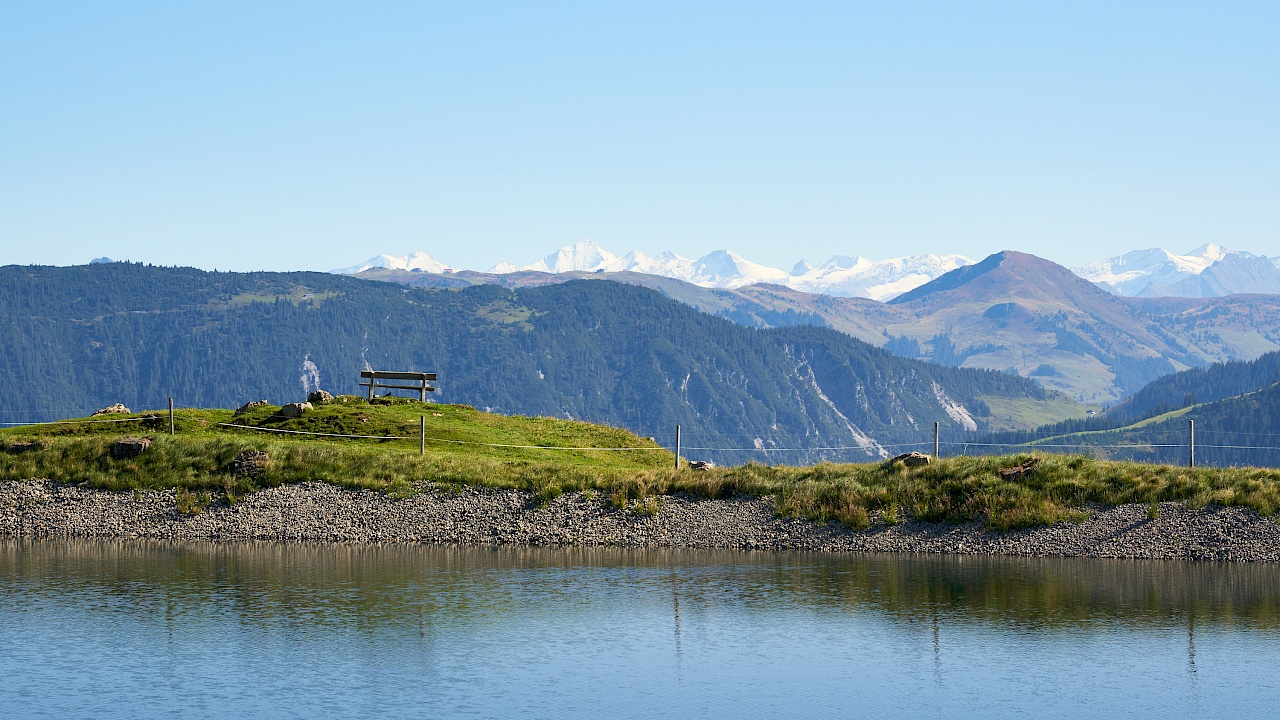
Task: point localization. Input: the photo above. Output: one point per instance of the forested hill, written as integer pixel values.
(1235, 406)
(75, 339)
(1199, 385)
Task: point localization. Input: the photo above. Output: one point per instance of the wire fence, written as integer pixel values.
(147, 418)
(1212, 447)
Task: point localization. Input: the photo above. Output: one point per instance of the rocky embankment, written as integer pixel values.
(326, 513)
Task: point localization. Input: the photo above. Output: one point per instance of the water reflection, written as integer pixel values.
(481, 631)
(370, 587)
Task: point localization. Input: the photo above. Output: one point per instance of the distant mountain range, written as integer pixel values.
(1011, 312)
(841, 276)
(1208, 271)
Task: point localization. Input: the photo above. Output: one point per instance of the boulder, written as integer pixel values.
(250, 405)
(293, 410)
(250, 463)
(911, 459)
(129, 447)
(320, 396)
(701, 465)
(116, 409)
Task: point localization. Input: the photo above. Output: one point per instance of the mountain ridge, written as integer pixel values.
(1208, 271)
(1021, 313)
(840, 276)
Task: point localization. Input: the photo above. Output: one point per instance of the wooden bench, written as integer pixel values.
(377, 379)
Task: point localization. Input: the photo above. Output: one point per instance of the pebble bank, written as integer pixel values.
(327, 513)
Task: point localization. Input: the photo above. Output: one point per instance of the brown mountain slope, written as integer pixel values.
(1022, 313)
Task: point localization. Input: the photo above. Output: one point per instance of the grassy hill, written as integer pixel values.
(463, 446)
(468, 447)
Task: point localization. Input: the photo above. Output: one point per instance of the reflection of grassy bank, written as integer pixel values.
(1054, 592)
(371, 587)
(200, 457)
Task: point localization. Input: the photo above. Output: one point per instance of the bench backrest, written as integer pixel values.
(377, 379)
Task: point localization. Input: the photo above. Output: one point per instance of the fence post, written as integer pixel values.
(422, 445)
(1191, 446)
(935, 440)
(677, 447)
(170, 415)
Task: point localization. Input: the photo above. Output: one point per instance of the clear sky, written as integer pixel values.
(312, 136)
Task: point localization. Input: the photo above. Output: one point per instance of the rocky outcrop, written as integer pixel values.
(911, 459)
(117, 409)
(320, 396)
(250, 463)
(251, 405)
(294, 410)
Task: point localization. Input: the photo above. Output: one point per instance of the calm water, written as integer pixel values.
(122, 629)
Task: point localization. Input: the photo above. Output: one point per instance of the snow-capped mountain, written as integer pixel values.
(725, 269)
(846, 276)
(843, 275)
(722, 268)
(1208, 271)
(666, 264)
(581, 256)
(419, 261)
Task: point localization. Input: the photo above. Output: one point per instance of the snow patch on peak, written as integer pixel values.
(419, 261)
(580, 256)
(727, 269)
(853, 276)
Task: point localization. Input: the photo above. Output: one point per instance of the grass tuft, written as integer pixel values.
(192, 503)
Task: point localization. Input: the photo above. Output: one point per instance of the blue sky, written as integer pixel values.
(312, 136)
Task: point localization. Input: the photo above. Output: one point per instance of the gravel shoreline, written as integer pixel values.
(478, 516)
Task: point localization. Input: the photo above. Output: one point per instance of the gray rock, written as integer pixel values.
(117, 409)
(250, 463)
(911, 459)
(129, 447)
(293, 410)
(251, 405)
(320, 396)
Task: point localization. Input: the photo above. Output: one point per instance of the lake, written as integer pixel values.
(145, 629)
